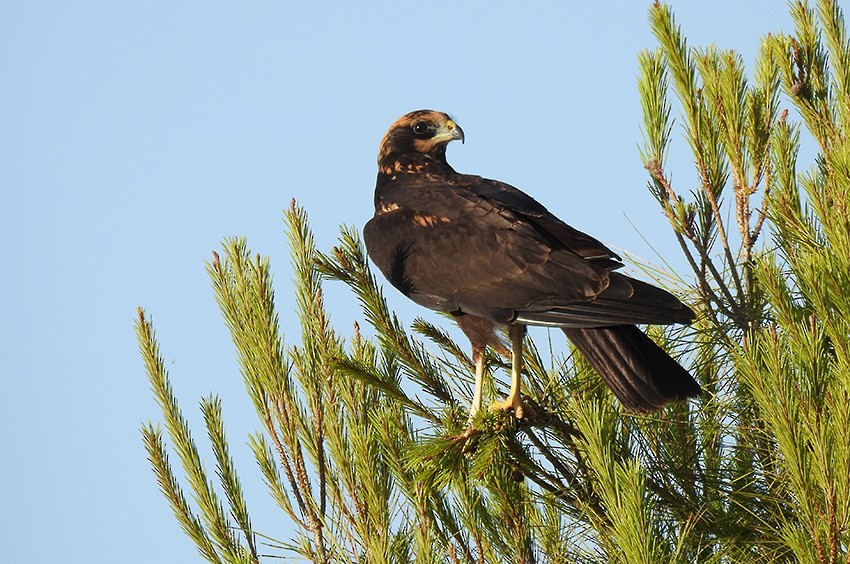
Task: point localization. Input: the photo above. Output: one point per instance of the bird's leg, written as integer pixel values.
(514, 402)
(478, 358)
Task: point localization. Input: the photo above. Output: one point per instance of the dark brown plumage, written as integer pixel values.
(490, 254)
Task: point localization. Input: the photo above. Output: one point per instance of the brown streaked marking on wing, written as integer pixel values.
(426, 220)
(388, 207)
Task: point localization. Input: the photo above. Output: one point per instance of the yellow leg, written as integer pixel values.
(478, 357)
(514, 402)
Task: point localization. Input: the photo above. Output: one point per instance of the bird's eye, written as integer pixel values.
(420, 127)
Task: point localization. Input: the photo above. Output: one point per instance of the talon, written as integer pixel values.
(519, 408)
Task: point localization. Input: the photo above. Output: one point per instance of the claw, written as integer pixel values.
(515, 404)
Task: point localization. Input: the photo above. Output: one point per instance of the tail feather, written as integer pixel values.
(639, 372)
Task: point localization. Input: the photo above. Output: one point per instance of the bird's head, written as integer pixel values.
(424, 132)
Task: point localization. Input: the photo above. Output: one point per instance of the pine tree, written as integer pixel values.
(756, 470)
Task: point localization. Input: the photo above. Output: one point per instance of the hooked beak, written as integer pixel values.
(450, 131)
(454, 131)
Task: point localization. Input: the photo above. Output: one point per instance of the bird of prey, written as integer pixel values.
(489, 254)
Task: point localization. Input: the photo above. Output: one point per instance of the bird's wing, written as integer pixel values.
(625, 300)
(533, 211)
(449, 249)
(485, 248)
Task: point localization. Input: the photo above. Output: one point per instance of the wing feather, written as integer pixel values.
(483, 247)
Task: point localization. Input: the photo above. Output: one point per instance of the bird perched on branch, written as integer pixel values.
(489, 254)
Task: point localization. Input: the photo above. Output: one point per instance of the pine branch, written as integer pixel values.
(170, 488)
(211, 408)
(758, 469)
(214, 535)
(349, 265)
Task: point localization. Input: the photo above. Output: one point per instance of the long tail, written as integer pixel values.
(639, 372)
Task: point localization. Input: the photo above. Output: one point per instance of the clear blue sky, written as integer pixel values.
(135, 135)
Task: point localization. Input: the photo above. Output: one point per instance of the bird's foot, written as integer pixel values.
(515, 404)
